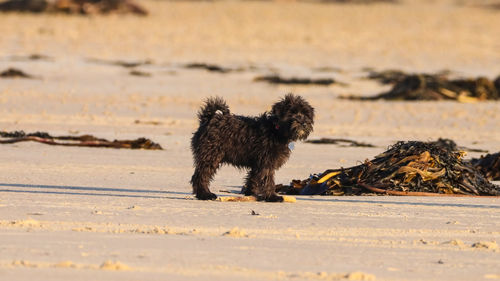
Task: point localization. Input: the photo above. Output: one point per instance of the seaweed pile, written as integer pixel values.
(83, 7)
(434, 87)
(406, 168)
(489, 165)
(84, 140)
(14, 73)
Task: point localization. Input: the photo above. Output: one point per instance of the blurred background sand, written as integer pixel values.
(77, 204)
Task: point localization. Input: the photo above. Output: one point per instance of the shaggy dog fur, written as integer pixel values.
(259, 144)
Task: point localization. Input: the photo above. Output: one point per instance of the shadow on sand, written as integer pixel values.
(357, 199)
(157, 194)
(73, 190)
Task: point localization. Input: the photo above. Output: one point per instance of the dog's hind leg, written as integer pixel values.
(207, 161)
(202, 176)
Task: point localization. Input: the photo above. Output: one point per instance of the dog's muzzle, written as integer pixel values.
(301, 131)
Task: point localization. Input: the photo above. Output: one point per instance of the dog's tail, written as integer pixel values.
(212, 106)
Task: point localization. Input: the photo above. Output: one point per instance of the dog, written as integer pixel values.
(259, 144)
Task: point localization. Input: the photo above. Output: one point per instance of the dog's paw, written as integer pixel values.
(247, 191)
(206, 196)
(274, 198)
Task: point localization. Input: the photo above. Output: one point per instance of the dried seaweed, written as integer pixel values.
(406, 168)
(451, 145)
(84, 140)
(83, 7)
(387, 76)
(32, 57)
(327, 69)
(340, 142)
(434, 87)
(33, 6)
(359, 1)
(15, 73)
(140, 73)
(156, 123)
(208, 67)
(393, 76)
(276, 79)
(489, 165)
(126, 64)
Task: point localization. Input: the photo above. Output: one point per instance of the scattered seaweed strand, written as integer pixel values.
(82, 141)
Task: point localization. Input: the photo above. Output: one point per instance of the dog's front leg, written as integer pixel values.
(260, 183)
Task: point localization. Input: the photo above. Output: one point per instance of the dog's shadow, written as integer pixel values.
(163, 194)
(88, 191)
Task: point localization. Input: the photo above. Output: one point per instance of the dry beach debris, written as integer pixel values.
(406, 168)
(83, 140)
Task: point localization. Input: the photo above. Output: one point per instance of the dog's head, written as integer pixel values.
(293, 117)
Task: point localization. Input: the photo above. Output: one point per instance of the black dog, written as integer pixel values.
(256, 143)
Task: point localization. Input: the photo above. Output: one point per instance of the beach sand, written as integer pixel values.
(108, 214)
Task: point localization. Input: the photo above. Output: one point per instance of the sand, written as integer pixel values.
(107, 214)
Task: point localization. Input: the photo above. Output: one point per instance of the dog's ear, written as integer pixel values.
(276, 110)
